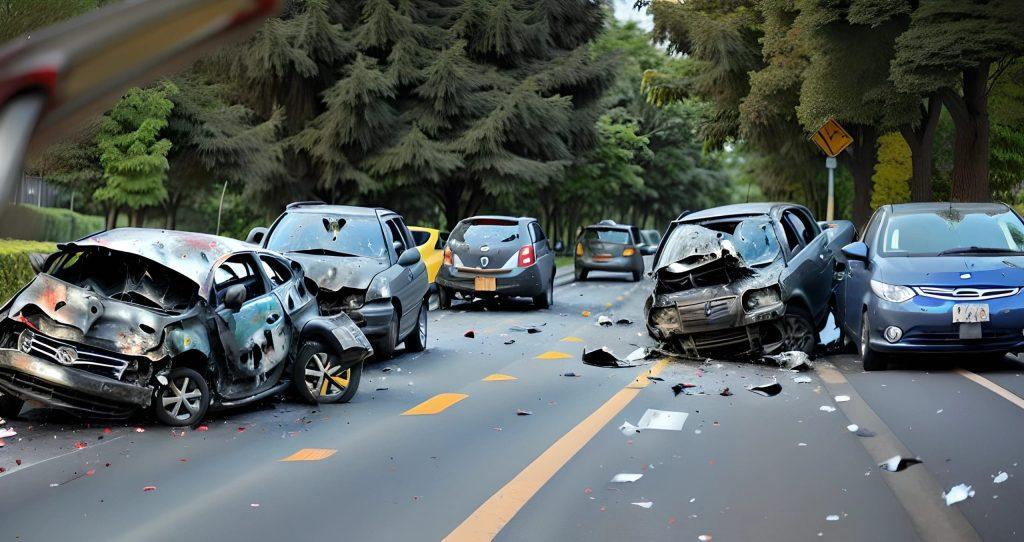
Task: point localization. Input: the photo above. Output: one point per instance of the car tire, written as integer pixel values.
(184, 400)
(384, 348)
(417, 339)
(581, 274)
(637, 275)
(10, 406)
(444, 298)
(872, 361)
(546, 298)
(798, 330)
(314, 367)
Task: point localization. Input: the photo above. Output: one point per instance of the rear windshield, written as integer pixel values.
(486, 232)
(607, 236)
(328, 234)
(951, 232)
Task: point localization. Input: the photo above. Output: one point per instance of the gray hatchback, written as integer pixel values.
(497, 256)
(607, 246)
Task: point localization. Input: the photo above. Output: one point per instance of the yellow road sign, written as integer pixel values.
(831, 138)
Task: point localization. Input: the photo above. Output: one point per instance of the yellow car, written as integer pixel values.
(430, 242)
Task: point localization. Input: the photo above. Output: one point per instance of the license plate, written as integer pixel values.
(485, 284)
(970, 313)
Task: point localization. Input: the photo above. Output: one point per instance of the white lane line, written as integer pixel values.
(23, 467)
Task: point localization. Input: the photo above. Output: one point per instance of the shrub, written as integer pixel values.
(48, 224)
(15, 271)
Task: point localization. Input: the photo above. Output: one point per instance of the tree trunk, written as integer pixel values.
(863, 156)
(921, 140)
(112, 217)
(971, 141)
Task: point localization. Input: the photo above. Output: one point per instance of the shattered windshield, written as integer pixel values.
(127, 278)
(753, 239)
(329, 235)
(486, 232)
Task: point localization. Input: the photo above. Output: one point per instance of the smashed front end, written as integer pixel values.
(89, 338)
(717, 292)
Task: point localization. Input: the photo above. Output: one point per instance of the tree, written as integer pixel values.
(950, 45)
(892, 171)
(132, 153)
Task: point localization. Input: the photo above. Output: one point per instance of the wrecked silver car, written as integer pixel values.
(179, 322)
(744, 280)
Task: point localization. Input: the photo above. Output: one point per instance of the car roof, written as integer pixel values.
(736, 209)
(934, 206)
(314, 207)
(190, 254)
(599, 226)
(520, 219)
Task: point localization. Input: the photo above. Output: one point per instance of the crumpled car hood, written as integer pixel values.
(91, 318)
(336, 272)
(702, 246)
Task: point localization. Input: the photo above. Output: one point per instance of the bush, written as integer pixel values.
(48, 224)
(15, 271)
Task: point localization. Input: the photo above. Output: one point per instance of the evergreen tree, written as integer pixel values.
(892, 171)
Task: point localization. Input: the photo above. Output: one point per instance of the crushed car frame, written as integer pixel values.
(132, 318)
(744, 280)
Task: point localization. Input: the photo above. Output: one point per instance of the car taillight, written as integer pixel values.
(447, 255)
(629, 252)
(579, 249)
(526, 256)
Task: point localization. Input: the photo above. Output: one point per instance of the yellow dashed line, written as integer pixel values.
(571, 339)
(435, 404)
(551, 354)
(498, 377)
(310, 454)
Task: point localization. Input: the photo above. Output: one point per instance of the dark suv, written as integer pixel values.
(497, 256)
(365, 263)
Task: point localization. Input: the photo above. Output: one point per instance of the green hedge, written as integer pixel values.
(15, 271)
(48, 224)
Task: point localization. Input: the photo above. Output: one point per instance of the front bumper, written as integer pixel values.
(71, 390)
(373, 318)
(716, 327)
(927, 325)
(515, 282)
(616, 264)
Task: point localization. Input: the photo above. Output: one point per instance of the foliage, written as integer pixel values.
(15, 270)
(48, 224)
(20, 17)
(892, 172)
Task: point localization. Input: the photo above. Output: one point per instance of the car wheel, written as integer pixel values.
(444, 297)
(384, 348)
(318, 377)
(546, 298)
(873, 361)
(417, 340)
(10, 406)
(637, 276)
(581, 274)
(184, 400)
(798, 332)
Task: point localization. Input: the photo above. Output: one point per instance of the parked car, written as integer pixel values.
(607, 246)
(179, 322)
(497, 256)
(365, 264)
(430, 242)
(651, 238)
(934, 277)
(744, 280)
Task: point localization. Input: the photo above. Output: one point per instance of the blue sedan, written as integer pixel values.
(934, 278)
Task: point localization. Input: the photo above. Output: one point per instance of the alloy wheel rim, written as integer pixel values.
(324, 378)
(799, 334)
(423, 326)
(182, 393)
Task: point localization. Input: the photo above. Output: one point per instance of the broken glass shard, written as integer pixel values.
(957, 493)
(666, 420)
(767, 390)
(898, 463)
(625, 477)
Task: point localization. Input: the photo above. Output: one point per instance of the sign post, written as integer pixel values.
(832, 139)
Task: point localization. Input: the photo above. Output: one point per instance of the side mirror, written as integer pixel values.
(409, 257)
(559, 246)
(234, 297)
(256, 236)
(856, 251)
(648, 250)
(399, 247)
(37, 261)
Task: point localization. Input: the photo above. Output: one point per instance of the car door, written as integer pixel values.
(803, 266)
(542, 250)
(255, 337)
(857, 279)
(403, 280)
(819, 288)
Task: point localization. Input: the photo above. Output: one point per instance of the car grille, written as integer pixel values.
(723, 343)
(965, 294)
(88, 359)
(706, 313)
(65, 396)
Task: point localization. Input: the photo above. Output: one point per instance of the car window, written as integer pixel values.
(810, 228)
(792, 237)
(442, 238)
(538, 234)
(405, 232)
(803, 231)
(396, 235)
(239, 269)
(420, 237)
(486, 231)
(276, 270)
(608, 236)
(868, 235)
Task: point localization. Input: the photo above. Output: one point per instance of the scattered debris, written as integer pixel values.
(7, 432)
(522, 412)
(625, 477)
(1000, 478)
(586, 314)
(79, 445)
(643, 504)
(510, 341)
(832, 517)
(241, 429)
(666, 420)
(704, 538)
(140, 430)
(794, 360)
(767, 390)
(623, 322)
(528, 328)
(957, 493)
(202, 428)
(862, 432)
(842, 398)
(897, 463)
(725, 392)
(570, 374)
(827, 408)
(469, 334)
(604, 321)
(602, 357)
(802, 380)
(853, 428)
(381, 389)
(147, 489)
(679, 388)
(628, 429)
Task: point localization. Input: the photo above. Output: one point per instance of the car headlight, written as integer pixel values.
(380, 288)
(891, 292)
(665, 316)
(759, 299)
(353, 301)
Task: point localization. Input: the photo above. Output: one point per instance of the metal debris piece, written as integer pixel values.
(643, 504)
(853, 428)
(957, 493)
(793, 360)
(469, 334)
(1001, 477)
(528, 328)
(704, 538)
(572, 374)
(602, 357)
(897, 463)
(147, 489)
(510, 341)
(842, 398)
(7, 432)
(628, 429)
(802, 380)
(639, 354)
(832, 517)
(725, 393)
(665, 420)
(827, 408)
(767, 390)
(604, 321)
(681, 387)
(862, 432)
(625, 477)
(522, 412)
(623, 322)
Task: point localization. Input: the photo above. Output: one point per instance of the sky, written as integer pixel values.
(624, 12)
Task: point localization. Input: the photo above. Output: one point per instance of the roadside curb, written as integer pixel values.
(564, 275)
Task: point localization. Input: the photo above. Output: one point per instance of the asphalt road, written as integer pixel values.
(743, 467)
